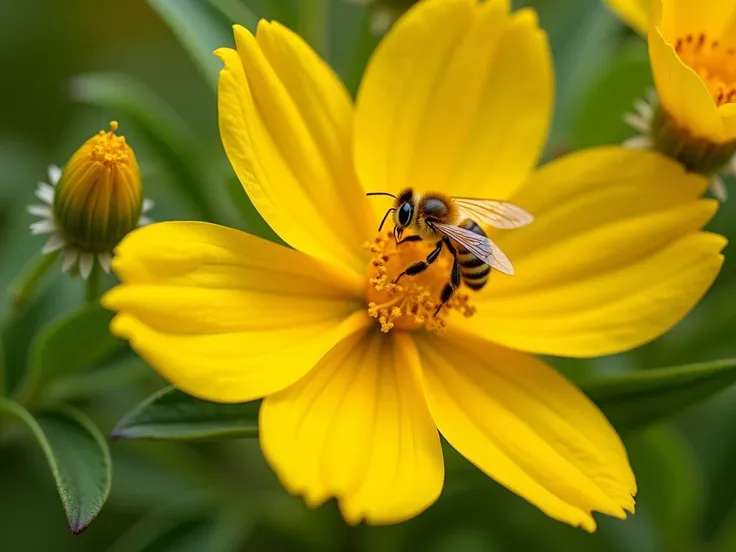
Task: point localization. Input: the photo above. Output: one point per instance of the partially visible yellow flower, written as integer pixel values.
(634, 12)
(358, 377)
(692, 48)
(92, 203)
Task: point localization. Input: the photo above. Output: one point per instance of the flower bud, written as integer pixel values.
(99, 197)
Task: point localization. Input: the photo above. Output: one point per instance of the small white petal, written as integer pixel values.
(45, 226)
(86, 263)
(638, 142)
(54, 243)
(148, 204)
(45, 193)
(381, 21)
(637, 122)
(644, 109)
(40, 210)
(105, 259)
(54, 174)
(144, 221)
(718, 188)
(70, 258)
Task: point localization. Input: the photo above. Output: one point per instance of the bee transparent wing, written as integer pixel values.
(480, 246)
(499, 214)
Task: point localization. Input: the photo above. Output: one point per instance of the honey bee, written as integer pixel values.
(453, 222)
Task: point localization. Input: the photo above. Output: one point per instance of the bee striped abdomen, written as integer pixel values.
(474, 272)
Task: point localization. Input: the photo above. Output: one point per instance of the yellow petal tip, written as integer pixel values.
(220, 53)
(120, 327)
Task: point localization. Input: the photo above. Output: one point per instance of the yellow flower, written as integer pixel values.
(92, 203)
(457, 98)
(692, 46)
(634, 12)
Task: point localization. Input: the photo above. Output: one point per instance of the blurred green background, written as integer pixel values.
(70, 67)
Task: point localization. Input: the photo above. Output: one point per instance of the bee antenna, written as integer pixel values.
(385, 217)
(381, 194)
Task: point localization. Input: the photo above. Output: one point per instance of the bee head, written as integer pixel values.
(403, 210)
(404, 213)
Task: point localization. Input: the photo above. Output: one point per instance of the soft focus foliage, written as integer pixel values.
(80, 64)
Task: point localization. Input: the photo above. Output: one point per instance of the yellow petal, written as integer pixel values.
(357, 428)
(590, 189)
(226, 316)
(728, 115)
(681, 91)
(527, 427)
(286, 124)
(611, 312)
(678, 18)
(613, 259)
(458, 98)
(634, 13)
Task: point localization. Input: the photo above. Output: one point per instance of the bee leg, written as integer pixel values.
(409, 239)
(421, 266)
(454, 282)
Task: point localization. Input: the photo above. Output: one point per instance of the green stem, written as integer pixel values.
(4, 323)
(314, 17)
(22, 291)
(363, 47)
(94, 284)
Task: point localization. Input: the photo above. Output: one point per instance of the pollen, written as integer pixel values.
(410, 303)
(108, 148)
(713, 61)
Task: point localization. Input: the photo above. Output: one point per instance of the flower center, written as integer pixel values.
(713, 62)
(412, 302)
(108, 148)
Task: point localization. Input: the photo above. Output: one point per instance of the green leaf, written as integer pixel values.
(353, 42)
(173, 415)
(168, 135)
(77, 455)
(201, 28)
(582, 35)
(68, 345)
(236, 12)
(633, 401)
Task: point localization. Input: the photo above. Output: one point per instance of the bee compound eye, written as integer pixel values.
(405, 212)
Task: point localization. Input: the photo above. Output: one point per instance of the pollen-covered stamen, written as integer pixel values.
(714, 62)
(411, 303)
(108, 148)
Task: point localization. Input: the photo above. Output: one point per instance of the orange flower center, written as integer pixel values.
(410, 303)
(713, 61)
